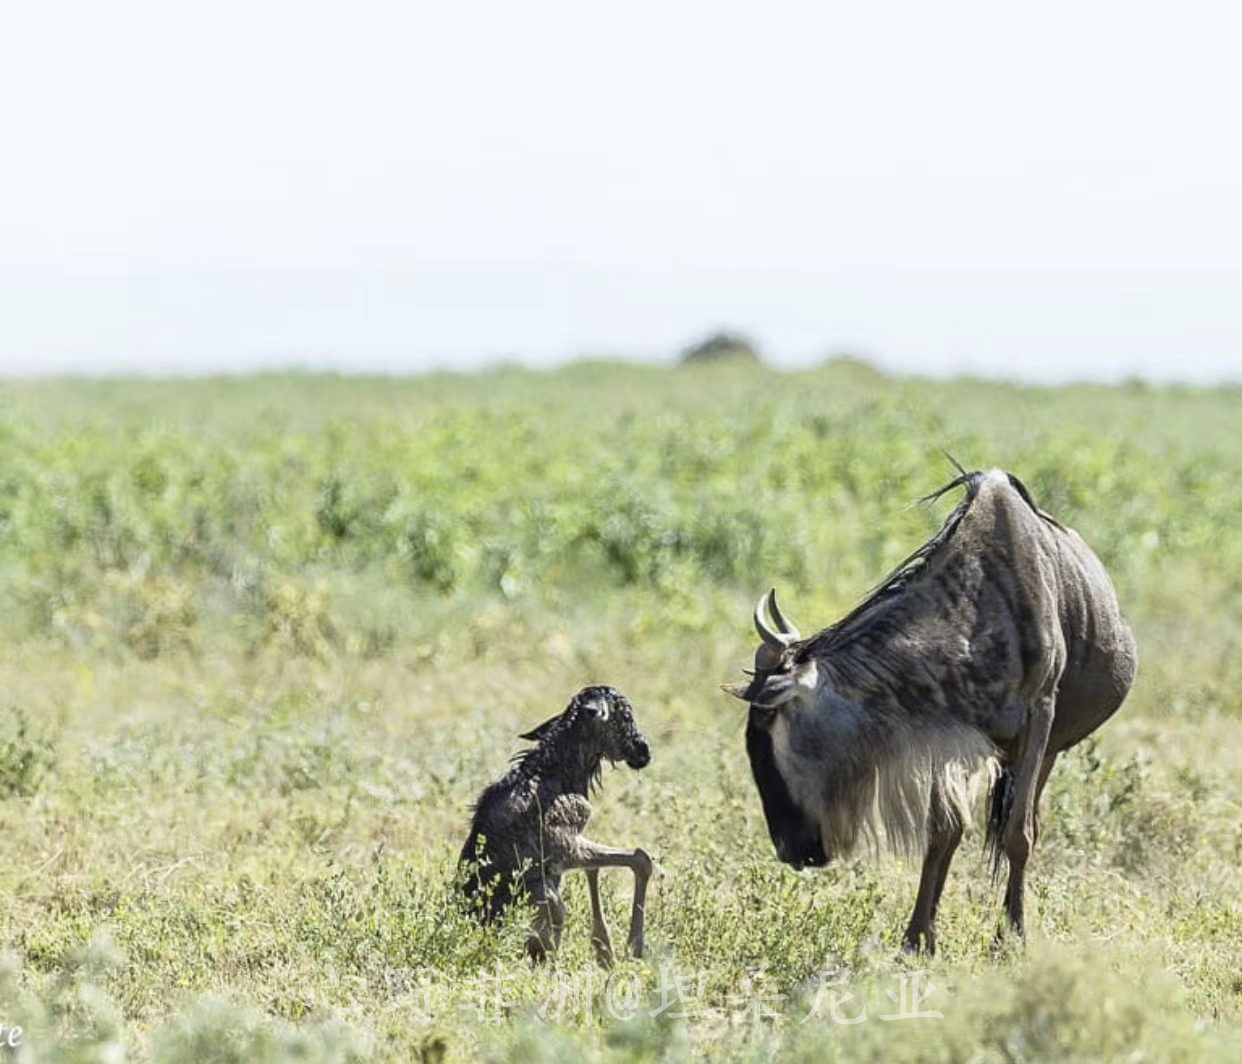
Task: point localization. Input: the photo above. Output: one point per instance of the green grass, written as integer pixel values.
(266, 639)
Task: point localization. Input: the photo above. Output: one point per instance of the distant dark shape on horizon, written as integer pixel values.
(721, 347)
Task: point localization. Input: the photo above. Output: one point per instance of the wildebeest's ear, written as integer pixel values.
(738, 690)
(776, 688)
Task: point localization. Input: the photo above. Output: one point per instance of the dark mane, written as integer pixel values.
(535, 760)
(897, 580)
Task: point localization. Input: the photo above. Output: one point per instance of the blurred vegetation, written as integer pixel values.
(147, 519)
(265, 640)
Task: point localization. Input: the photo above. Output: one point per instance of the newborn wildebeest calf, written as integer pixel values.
(528, 827)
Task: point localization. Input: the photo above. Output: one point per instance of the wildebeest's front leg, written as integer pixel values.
(592, 857)
(944, 833)
(600, 938)
(1020, 827)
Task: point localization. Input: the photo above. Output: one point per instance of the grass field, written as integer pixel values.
(264, 640)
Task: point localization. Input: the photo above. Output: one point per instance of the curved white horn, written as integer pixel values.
(776, 640)
(787, 627)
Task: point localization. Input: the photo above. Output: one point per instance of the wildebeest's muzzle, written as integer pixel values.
(796, 838)
(640, 754)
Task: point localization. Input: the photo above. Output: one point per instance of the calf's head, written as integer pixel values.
(599, 720)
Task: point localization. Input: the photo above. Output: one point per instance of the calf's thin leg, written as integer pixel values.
(944, 834)
(545, 931)
(600, 938)
(635, 937)
(592, 857)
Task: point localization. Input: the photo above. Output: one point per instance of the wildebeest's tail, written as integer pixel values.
(998, 814)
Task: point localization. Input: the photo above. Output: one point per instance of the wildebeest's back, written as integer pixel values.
(1101, 655)
(967, 633)
(1010, 607)
(1044, 612)
(498, 838)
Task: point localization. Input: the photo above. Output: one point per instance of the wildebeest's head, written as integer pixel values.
(781, 686)
(599, 721)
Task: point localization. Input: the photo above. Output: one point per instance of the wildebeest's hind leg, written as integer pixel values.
(1019, 832)
(592, 856)
(600, 938)
(1045, 770)
(944, 834)
(545, 932)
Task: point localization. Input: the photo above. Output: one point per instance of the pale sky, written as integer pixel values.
(1048, 191)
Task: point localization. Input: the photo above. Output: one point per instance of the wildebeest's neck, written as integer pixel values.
(922, 651)
(563, 758)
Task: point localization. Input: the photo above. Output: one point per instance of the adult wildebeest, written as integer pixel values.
(1000, 639)
(527, 830)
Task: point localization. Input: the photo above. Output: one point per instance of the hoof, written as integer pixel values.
(603, 952)
(919, 943)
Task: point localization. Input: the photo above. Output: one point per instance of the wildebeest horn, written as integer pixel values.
(787, 627)
(777, 640)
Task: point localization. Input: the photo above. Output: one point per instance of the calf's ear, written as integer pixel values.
(537, 734)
